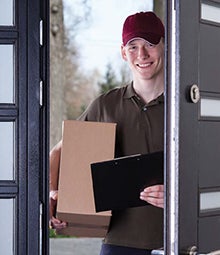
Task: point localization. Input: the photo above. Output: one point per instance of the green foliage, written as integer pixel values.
(110, 80)
(53, 234)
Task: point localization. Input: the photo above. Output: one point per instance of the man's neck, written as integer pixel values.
(149, 90)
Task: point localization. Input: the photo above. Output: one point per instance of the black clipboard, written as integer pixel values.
(117, 183)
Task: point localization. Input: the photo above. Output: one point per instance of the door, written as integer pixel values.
(193, 127)
(23, 127)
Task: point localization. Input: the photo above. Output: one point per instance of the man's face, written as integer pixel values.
(145, 60)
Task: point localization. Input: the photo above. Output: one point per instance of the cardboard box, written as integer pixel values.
(83, 143)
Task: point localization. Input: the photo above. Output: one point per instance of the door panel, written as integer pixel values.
(209, 128)
(209, 57)
(209, 162)
(209, 239)
(192, 167)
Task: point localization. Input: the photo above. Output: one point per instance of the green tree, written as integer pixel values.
(64, 55)
(110, 80)
(159, 8)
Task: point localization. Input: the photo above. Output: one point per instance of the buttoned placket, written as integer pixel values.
(144, 119)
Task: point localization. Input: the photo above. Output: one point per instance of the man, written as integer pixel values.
(138, 111)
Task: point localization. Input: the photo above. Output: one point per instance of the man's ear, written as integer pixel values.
(123, 52)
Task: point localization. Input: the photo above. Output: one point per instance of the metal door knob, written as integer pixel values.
(191, 251)
(214, 252)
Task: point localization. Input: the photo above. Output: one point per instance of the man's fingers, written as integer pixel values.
(155, 188)
(153, 195)
(57, 224)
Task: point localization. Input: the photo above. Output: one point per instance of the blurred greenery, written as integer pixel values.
(53, 234)
(110, 80)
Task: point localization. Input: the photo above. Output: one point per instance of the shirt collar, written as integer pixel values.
(130, 92)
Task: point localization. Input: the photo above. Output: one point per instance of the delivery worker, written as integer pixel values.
(138, 110)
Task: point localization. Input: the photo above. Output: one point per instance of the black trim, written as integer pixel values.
(31, 126)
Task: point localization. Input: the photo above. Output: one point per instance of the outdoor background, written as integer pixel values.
(85, 60)
(85, 55)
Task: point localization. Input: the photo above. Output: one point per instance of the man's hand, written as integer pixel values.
(54, 222)
(154, 195)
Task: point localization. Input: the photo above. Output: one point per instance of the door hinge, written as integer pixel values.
(41, 32)
(41, 94)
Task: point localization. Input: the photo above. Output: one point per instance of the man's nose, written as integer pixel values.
(143, 53)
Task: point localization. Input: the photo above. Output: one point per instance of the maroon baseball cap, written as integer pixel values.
(144, 25)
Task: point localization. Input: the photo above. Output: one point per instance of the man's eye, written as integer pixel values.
(132, 47)
(150, 45)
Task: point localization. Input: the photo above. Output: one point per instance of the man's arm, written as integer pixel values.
(55, 166)
(54, 178)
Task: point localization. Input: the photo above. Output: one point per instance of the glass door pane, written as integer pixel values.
(210, 107)
(210, 11)
(6, 12)
(7, 151)
(210, 200)
(7, 233)
(7, 73)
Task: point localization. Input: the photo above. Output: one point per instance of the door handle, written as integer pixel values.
(194, 94)
(214, 253)
(158, 252)
(191, 251)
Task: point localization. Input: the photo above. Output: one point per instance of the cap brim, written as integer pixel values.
(151, 38)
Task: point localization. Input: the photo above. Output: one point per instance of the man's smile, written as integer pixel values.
(144, 65)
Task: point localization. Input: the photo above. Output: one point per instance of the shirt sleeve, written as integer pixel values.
(92, 112)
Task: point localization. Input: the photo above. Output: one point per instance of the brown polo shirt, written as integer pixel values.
(140, 129)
